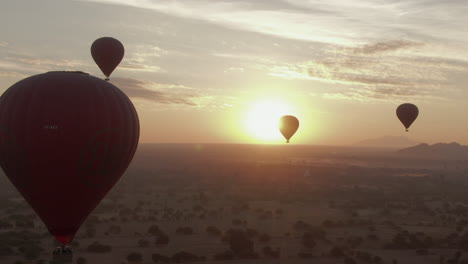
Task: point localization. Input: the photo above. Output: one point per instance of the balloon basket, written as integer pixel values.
(62, 254)
(287, 141)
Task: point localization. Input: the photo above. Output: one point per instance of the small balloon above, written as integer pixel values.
(107, 52)
(407, 113)
(288, 126)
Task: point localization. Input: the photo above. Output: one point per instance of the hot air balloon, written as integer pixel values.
(407, 113)
(288, 126)
(107, 52)
(65, 139)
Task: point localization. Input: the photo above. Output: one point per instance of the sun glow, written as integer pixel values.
(263, 119)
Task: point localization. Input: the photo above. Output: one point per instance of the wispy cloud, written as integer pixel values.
(397, 48)
(334, 21)
(138, 58)
(385, 46)
(45, 63)
(26, 64)
(234, 69)
(12, 74)
(380, 71)
(276, 17)
(139, 67)
(155, 92)
(142, 58)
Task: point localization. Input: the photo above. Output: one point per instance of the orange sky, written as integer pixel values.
(199, 71)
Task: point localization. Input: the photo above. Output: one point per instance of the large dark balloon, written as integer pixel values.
(288, 126)
(65, 139)
(107, 52)
(407, 113)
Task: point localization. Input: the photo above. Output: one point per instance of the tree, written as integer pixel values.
(305, 255)
(183, 256)
(264, 238)
(162, 239)
(154, 230)
(336, 252)
(6, 251)
(90, 232)
(212, 230)
(308, 240)
(143, 243)
(184, 231)
(96, 247)
(31, 251)
(422, 251)
(158, 258)
(134, 257)
(115, 229)
(269, 252)
(377, 259)
(240, 243)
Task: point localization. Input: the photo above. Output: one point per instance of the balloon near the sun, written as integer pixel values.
(262, 119)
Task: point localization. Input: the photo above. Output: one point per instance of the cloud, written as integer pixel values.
(388, 47)
(138, 58)
(333, 21)
(42, 63)
(377, 95)
(182, 7)
(26, 65)
(385, 46)
(132, 66)
(377, 72)
(282, 18)
(234, 69)
(12, 74)
(142, 58)
(160, 93)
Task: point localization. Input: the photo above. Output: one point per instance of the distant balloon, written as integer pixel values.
(65, 139)
(288, 126)
(407, 113)
(107, 52)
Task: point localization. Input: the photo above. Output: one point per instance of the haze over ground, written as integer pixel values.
(196, 70)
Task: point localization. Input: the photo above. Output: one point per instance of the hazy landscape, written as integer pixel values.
(220, 203)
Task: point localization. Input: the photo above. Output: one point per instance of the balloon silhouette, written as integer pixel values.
(65, 139)
(107, 52)
(407, 113)
(288, 126)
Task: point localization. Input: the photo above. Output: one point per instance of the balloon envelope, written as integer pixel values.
(288, 126)
(107, 52)
(65, 139)
(407, 113)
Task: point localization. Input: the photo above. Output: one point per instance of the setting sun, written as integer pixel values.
(263, 119)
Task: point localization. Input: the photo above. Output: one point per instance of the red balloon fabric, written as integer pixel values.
(65, 139)
(107, 52)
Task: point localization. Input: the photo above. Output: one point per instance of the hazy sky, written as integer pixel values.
(212, 70)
